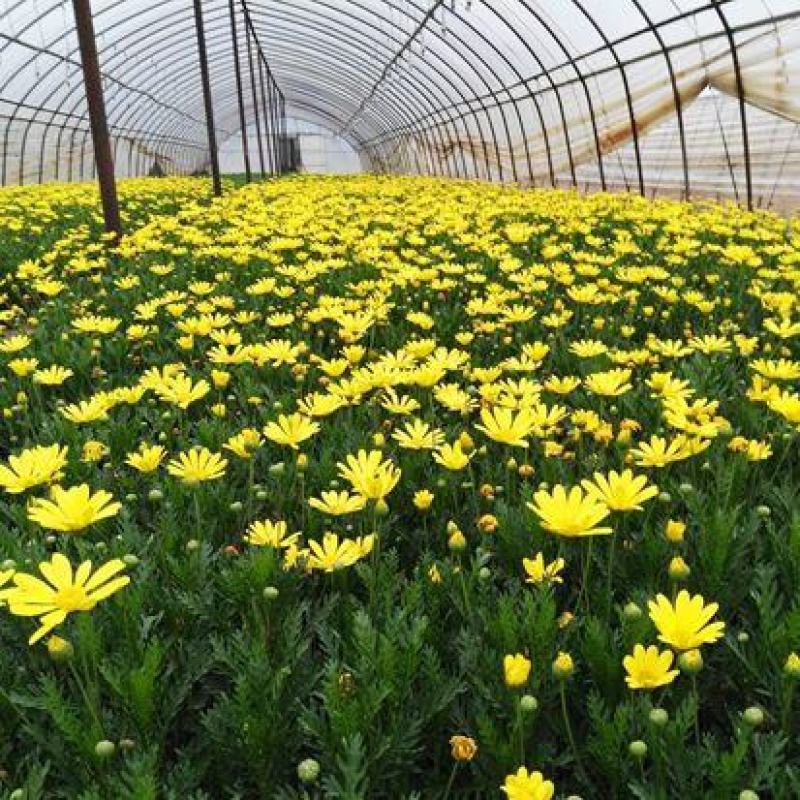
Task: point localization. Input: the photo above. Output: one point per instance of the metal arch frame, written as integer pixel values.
(435, 108)
(491, 93)
(61, 59)
(237, 69)
(676, 95)
(171, 123)
(571, 61)
(283, 60)
(737, 68)
(318, 40)
(190, 66)
(628, 98)
(427, 97)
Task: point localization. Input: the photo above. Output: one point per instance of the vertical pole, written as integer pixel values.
(276, 123)
(255, 103)
(97, 115)
(267, 121)
(239, 94)
(212, 136)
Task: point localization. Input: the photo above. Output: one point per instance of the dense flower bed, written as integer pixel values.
(378, 487)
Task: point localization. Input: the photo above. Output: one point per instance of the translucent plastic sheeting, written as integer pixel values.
(686, 97)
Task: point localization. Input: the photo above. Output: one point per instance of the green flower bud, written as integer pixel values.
(484, 573)
(271, 593)
(60, 650)
(308, 770)
(563, 666)
(127, 745)
(691, 662)
(130, 559)
(637, 748)
(105, 749)
(131, 497)
(192, 544)
(155, 495)
(528, 703)
(9, 563)
(748, 794)
(236, 506)
(632, 611)
(659, 717)
(753, 716)
(261, 495)
(763, 511)
(381, 508)
(665, 497)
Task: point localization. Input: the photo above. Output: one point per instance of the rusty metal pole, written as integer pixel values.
(256, 115)
(97, 116)
(209, 107)
(240, 92)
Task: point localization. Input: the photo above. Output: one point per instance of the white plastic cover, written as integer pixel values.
(651, 95)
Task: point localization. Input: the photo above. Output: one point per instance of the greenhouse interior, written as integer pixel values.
(400, 399)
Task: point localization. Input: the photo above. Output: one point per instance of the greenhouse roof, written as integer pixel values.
(658, 96)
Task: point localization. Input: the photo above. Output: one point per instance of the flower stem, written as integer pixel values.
(696, 711)
(568, 727)
(583, 597)
(450, 781)
(90, 707)
(610, 579)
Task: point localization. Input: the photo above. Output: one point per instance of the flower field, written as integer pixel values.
(396, 488)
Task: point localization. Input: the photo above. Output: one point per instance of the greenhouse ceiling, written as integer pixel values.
(680, 97)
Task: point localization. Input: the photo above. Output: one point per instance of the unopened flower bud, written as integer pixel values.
(638, 748)
(457, 541)
(270, 592)
(753, 716)
(791, 667)
(528, 703)
(60, 650)
(691, 662)
(632, 611)
(678, 569)
(659, 717)
(381, 507)
(563, 666)
(308, 770)
(105, 749)
(487, 523)
(675, 531)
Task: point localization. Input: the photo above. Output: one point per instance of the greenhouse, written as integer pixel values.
(400, 399)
